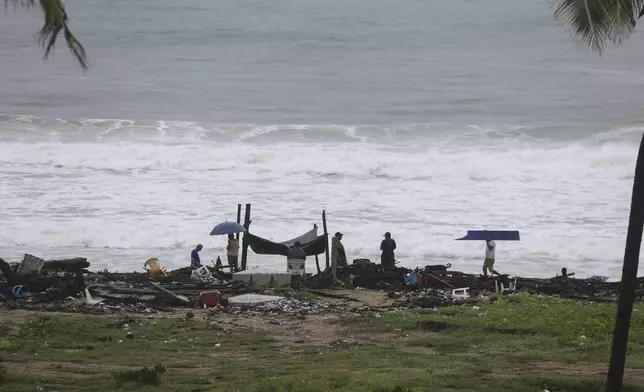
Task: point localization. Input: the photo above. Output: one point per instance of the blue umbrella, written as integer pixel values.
(227, 228)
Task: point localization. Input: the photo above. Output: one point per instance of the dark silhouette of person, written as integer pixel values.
(296, 252)
(195, 261)
(387, 258)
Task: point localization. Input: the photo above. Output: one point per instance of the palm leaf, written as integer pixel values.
(55, 23)
(595, 23)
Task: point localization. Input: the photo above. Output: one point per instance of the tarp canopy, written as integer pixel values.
(307, 237)
(262, 246)
(496, 235)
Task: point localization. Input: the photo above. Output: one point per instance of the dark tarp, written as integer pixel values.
(263, 246)
(315, 247)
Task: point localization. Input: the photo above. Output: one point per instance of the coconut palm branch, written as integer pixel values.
(56, 23)
(596, 23)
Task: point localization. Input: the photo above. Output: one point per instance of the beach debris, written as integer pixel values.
(153, 267)
(55, 285)
(30, 264)
(209, 299)
(252, 299)
(177, 296)
(462, 293)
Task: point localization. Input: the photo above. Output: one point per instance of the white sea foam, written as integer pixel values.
(121, 192)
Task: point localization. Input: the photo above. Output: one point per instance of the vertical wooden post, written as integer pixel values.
(615, 376)
(244, 244)
(326, 238)
(317, 260)
(238, 217)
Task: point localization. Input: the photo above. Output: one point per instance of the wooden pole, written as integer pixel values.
(326, 238)
(317, 260)
(244, 244)
(238, 217)
(615, 376)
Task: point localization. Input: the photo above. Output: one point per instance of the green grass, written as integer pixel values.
(517, 330)
(520, 343)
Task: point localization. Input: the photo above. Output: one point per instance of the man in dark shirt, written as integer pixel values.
(296, 252)
(387, 246)
(195, 261)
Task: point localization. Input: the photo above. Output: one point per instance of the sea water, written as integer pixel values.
(422, 118)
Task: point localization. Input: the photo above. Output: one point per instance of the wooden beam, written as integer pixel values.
(326, 236)
(436, 279)
(238, 218)
(317, 260)
(244, 244)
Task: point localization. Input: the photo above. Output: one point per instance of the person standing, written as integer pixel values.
(387, 258)
(232, 251)
(195, 261)
(488, 264)
(338, 255)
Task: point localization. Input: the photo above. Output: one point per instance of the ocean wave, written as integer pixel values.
(30, 128)
(140, 190)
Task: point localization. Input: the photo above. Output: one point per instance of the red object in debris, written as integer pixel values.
(210, 299)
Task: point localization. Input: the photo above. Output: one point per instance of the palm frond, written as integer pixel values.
(595, 23)
(55, 22)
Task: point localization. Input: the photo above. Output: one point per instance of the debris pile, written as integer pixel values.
(68, 285)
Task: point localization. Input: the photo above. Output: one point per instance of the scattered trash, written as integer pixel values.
(209, 299)
(154, 268)
(20, 292)
(55, 285)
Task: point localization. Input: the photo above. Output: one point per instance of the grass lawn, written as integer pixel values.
(520, 343)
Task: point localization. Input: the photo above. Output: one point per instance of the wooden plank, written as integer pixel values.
(179, 297)
(238, 218)
(326, 235)
(434, 278)
(244, 244)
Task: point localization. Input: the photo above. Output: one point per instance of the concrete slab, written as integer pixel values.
(264, 279)
(252, 299)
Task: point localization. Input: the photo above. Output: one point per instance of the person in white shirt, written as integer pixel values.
(488, 264)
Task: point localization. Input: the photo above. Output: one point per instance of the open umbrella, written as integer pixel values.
(226, 228)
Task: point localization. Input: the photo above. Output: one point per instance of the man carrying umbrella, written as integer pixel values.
(232, 251)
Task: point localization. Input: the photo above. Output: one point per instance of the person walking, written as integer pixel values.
(387, 258)
(488, 263)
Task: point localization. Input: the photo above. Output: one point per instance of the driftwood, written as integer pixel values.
(69, 265)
